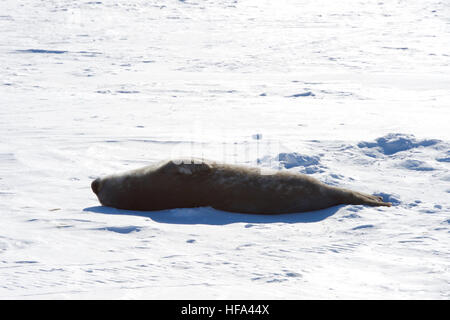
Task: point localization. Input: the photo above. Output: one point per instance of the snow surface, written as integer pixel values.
(355, 93)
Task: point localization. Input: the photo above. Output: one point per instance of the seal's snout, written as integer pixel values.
(95, 185)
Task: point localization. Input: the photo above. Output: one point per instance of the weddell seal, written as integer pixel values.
(199, 183)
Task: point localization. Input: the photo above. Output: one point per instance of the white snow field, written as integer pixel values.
(354, 93)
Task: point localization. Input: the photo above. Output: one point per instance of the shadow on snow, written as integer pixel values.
(210, 216)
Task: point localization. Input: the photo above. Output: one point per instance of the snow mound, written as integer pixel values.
(303, 94)
(42, 51)
(416, 165)
(294, 159)
(123, 230)
(392, 198)
(396, 142)
(288, 160)
(445, 158)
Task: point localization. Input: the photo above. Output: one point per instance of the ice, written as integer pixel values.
(355, 94)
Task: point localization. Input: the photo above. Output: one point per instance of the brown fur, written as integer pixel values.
(191, 183)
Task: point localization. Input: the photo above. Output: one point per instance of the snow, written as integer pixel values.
(354, 94)
(393, 143)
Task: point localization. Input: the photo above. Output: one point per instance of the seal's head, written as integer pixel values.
(95, 185)
(98, 187)
(114, 190)
(172, 184)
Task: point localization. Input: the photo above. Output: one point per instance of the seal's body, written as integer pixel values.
(188, 184)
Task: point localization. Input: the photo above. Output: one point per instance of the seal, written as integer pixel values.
(201, 183)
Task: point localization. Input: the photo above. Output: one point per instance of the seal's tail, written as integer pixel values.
(366, 199)
(345, 196)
